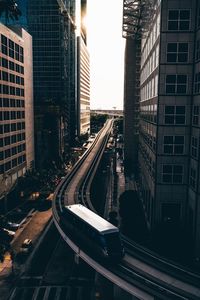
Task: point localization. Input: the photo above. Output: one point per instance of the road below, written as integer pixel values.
(54, 274)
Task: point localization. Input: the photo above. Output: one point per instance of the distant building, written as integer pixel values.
(83, 89)
(16, 106)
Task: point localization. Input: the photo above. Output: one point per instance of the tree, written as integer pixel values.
(10, 9)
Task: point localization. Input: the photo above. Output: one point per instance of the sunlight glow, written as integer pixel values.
(106, 48)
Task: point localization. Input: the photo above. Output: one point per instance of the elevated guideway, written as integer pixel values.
(141, 273)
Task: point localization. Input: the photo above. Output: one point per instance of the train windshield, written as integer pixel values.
(112, 240)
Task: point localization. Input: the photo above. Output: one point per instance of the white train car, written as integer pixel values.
(94, 232)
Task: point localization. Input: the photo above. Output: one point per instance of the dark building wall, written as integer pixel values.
(131, 104)
(54, 73)
(169, 118)
(83, 87)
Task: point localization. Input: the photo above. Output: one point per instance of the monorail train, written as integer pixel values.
(93, 232)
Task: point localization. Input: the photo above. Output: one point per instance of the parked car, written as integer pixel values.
(12, 225)
(9, 232)
(26, 246)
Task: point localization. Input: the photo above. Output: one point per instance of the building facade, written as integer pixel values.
(83, 89)
(169, 117)
(59, 85)
(16, 106)
(53, 35)
(131, 105)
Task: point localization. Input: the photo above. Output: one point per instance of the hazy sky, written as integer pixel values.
(106, 47)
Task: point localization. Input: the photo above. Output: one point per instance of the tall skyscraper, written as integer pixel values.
(55, 26)
(83, 76)
(52, 34)
(169, 115)
(83, 87)
(16, 106)
(131, 105)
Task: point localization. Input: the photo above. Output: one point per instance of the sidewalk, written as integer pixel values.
(119, 184)
(124, 183)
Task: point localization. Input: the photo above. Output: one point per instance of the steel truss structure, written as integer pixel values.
(136, 16)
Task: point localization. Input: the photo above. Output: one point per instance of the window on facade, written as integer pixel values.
(12, 78)
(13, 127)
(7, 153)
(4, 62)
(4, 76)
(3, 39)
(179, 19)
(198, 20)
(7, 166)
(14, 162)
(20, 159)
(11, 48)
(21, 54)
(193, 177)
(22, 70)
(13, 115)
(6, 89)
(194, 147)
(4, 48)
(17, 68)
(12, 90)
(2, 169)
(197, 50)
(197, 83)
(13, 139)
(12, 103)
(176, 84)
(17, 79)
(173, 144)
(6, 115)
(11, 53)
(11, 65)
(7, 141)
(5, 102)
(6, 128)
(175, 115)
(18, 91)
(195, 115)
(177, 52)
(172, 174)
